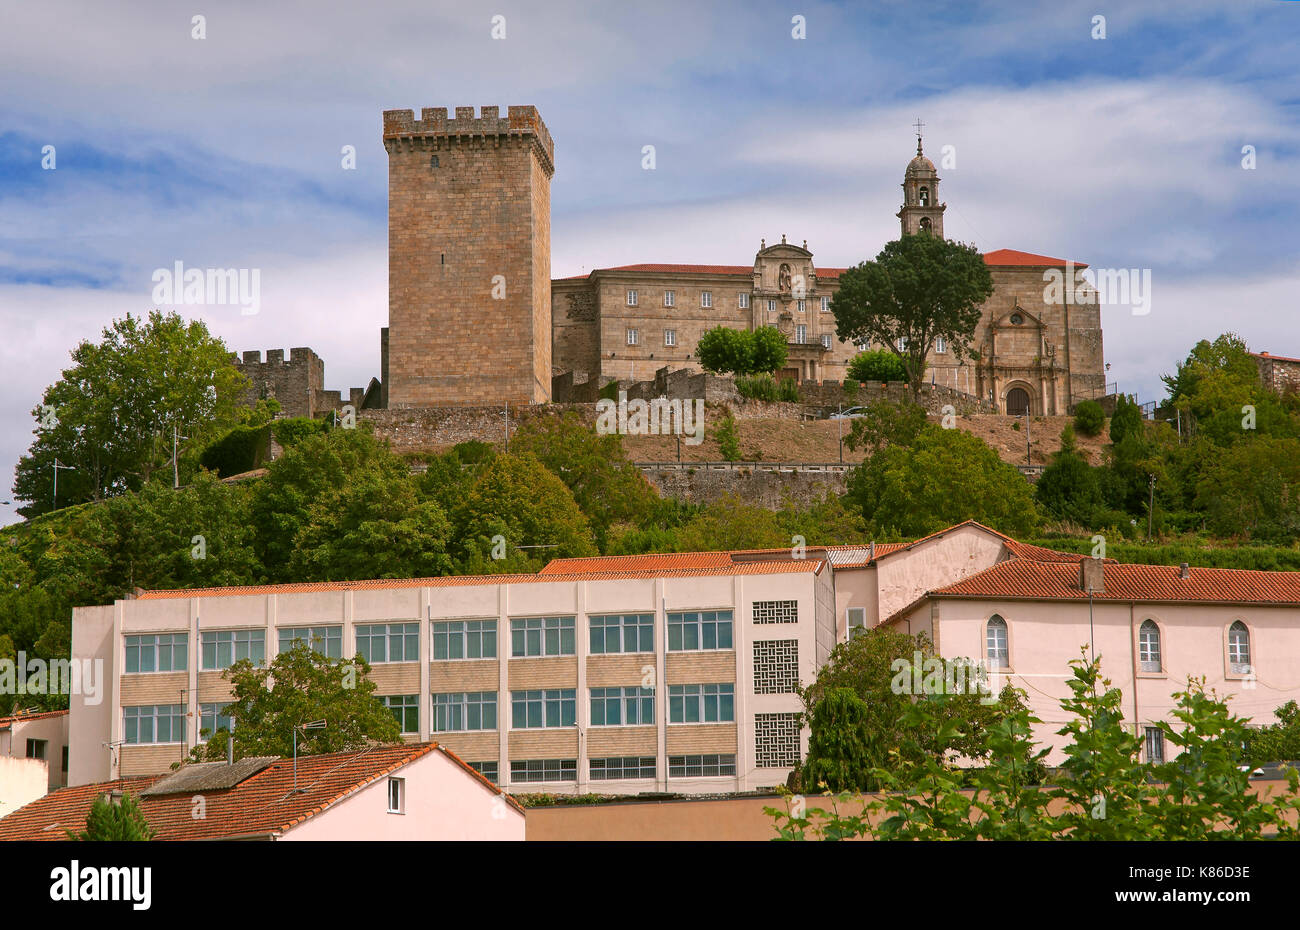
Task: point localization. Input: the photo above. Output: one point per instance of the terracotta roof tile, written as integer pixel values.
(262, 804)
(1014, 257)
(23, 718)
(1021, 578)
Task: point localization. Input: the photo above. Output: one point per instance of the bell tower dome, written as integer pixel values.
(921, 210)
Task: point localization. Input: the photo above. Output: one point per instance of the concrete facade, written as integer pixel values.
(39, 736)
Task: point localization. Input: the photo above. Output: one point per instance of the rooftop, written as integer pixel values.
(258, 801)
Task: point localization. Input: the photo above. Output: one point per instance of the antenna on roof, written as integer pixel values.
(314, 725)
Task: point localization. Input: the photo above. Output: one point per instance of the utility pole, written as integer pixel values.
(1151, 507)
(507, 427)
(1029, 453)
(57, 466)
(176, 473)
(840, 429)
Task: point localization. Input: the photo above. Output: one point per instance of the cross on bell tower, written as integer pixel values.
(921, 211)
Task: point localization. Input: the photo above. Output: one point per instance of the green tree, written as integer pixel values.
(114, 820)
(725, 349)
(883, 423)
(944, 477)
(840, 754)
(1089, 418)
(877, 365)
(516, 498)
(1127, 419)
(728, 438)
(1068, 489)
(1276, 742)
(110, 417)
(300, 686)
(919, 289)
(1252, 490)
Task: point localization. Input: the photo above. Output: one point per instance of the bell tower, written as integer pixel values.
(921, 208)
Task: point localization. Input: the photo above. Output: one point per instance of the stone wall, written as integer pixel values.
(298, 384)
(760, 484)
(1278, 373)
(419, 429)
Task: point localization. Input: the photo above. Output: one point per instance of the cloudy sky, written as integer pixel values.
(225, 151)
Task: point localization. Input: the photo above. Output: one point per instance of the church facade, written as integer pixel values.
(469, 240)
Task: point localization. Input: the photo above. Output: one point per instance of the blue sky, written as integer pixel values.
(225, 152)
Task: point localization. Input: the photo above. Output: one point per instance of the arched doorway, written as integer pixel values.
(1017, 402)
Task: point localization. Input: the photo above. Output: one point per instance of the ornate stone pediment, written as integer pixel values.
(785, 270)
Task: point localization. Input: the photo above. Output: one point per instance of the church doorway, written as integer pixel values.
(788, 374)
(1017, 402)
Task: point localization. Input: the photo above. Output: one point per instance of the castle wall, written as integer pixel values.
(296, 383)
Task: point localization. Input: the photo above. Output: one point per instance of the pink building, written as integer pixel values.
(413, 792)
(33, 756)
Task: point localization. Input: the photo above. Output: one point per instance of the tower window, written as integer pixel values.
(433, 161)
(925, 196)
(925, 223)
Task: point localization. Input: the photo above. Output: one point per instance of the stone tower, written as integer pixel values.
(469, 257)
(921, 207)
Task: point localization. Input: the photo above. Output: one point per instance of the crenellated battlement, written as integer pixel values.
(523, 121)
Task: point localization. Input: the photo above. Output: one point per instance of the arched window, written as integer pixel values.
(1149, 646)
(925, 196)
(925, 223)
(1239, 648)
(995, 643)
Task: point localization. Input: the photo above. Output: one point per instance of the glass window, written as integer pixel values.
(154, 723)
(631, 337)
(703, 766)
(213, 717)
(668, 298)
(465, 639)
(612, 707)
(699, 629)
(223, 648)
(157, 652)
(327, 640)
(621, 633)
(543, 636)
(801, 334)
(803, 306)
(826, 305)
(488, 770)
(713, 703)
(525, 770)
(940, 345)
(1239, 648)
(743, 301)
(670, 337)
(1155, 744)
(1149, 646)
(631, 298)
(389, 642)
(396, 795)
(623, 767)
(706, 298)
(465, 710)
(996, 643)
(406, 708)
(554, 707)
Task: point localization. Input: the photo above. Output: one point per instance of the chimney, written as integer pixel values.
(1092, 576)
(1184, 571)
(230, 749)
(871, 551)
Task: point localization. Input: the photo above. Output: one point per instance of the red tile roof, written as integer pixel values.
(23, 718)
(1276, 358)
(647, 562)
(261, 805)
(1016, 258)
(998, 257)
(596, 573)
(1020, 578)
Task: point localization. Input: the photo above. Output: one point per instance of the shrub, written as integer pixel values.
(789, 390)
(609, 391)
(757, 387)
(240, 450)
(1089, 418)
(877, 365)
(1127, 420)
(291, 431)
(728, 438)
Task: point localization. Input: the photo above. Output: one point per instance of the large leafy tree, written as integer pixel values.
(110, 417)
(1252, 490)
(301, 686)
(944, 476)
(918, 289)
(728, 350)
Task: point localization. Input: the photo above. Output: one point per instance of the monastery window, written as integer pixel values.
(1239, 648)
(826, 305)
(631, 337)
(1149, 646)
(902, 343)
(706, 298)
(433, 161)
(771, 306)
(670, 337)
(995, 640)
(940, 345)
(803, 306)
(1016, 319)
(801, 334)
(743, 301)
(669, 296)
(631, 298)
(826, 340)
